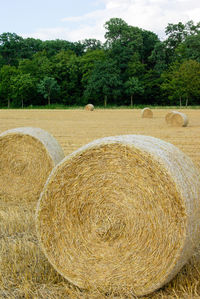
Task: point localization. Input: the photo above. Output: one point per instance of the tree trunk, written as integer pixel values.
(8, 103)
(131, 100)
(49, 100)
(180, 101)
(22, 103)
(186, 102)
(105, 101)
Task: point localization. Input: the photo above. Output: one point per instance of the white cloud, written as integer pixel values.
(49, 33)
(153, 15)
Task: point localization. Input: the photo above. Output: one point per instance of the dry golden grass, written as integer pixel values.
(24, 270)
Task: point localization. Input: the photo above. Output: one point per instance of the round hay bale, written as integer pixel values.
(178, 119)
(168, 116)
(89, 107)
(120, 214)
(146, 113)
(27, 156)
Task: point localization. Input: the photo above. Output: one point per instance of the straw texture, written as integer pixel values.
(89, 107)
(175, 118)
(146, 113)
(179, 119)
(120, 214)
(168, 116)
(27, 156)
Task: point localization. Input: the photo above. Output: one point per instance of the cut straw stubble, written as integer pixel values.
(119, 214)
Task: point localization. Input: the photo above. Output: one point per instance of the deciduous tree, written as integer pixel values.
(6, 83)
(48, 87)
(23, 86)
(133, 86)
(104, 81)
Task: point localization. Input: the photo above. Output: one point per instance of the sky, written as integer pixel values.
(76, 20)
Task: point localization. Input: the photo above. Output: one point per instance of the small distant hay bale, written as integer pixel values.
(168, 116)
(89, 107)
(147, 113)
(27, 156)
(179, 119)
(119, 214)
(175, 118)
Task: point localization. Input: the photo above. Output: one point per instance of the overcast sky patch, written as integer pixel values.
(75, 21)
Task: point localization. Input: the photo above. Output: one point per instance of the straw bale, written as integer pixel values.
(175, 118)
(89, 107)
(120, 214)
(147, 113)
(168, 116)
(27, 156)
(179, 119)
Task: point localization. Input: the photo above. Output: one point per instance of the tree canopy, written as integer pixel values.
(133, 66)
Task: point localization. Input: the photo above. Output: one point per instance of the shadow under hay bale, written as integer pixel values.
(89, 107)
(146, 113)
(120, 214)
(27, 156)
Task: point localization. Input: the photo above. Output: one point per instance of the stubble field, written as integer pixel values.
(24, 270)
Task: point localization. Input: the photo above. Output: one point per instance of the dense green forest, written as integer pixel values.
(132, 67)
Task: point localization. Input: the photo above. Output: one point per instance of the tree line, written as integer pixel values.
(132, 67)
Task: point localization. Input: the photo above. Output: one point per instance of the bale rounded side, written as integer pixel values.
(168, 116)
(121, 214)
(176, 118)
(179, 119)
(146, 113)
(89, 107)
(27, 156)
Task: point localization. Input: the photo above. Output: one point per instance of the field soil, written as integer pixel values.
(24, 270)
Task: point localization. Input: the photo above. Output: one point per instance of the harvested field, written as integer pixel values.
(24, 270)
